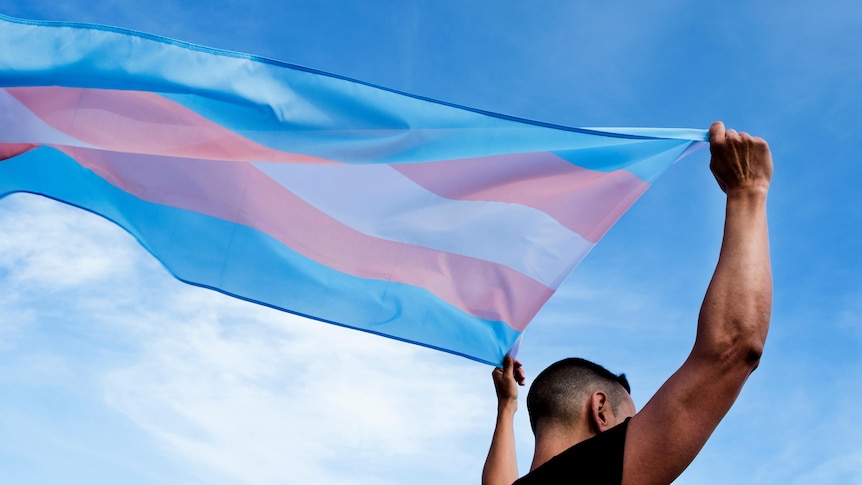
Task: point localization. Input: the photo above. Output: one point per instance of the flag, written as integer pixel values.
(312, 193)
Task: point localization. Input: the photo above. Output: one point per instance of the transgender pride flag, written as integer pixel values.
(315, 194)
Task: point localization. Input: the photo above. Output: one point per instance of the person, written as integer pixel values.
(584, 421)
(500, 466)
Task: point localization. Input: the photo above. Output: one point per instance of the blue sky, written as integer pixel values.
(111, 371)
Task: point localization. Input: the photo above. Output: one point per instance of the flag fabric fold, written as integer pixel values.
(312, 193)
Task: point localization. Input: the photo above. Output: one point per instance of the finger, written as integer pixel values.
(759, 141)
(716, 132)
(520, 376)
(731, 135)
(518, 373)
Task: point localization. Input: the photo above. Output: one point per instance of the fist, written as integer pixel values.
(739, 161)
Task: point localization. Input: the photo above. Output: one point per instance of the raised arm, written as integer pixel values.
(674, 425)
(501, 466)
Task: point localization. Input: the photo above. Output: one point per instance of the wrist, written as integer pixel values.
(509, 405)
(748, 192)
(746, 199)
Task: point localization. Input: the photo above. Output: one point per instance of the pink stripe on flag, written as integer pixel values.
(240, 193)
(586, 201)
(9, 150)
(139, 122)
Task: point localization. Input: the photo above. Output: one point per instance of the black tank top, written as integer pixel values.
(596, 461)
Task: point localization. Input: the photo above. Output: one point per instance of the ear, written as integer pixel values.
(601, 415)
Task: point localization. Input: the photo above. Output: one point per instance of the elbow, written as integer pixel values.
(735, 342)
(744, 352)
(751, 342)
(734, 359)
(734, 352)
(751, 355)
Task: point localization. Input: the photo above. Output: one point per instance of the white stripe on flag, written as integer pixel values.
(20, 125)
(381, 202)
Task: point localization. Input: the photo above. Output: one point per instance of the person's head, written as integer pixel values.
(573, 390)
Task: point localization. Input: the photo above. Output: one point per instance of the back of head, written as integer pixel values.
(559, 393)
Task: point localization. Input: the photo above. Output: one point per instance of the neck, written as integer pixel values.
(551, 442)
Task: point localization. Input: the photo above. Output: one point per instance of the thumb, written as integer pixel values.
(508, 365)
(716, 132)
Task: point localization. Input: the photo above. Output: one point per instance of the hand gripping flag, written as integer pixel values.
(322, 196)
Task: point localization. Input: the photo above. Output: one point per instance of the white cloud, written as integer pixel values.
(73, 248)
(233, 392)
(274, 399)
(15, 319)
(845, 468)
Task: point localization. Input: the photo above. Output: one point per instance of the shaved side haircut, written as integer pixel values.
(558, 393)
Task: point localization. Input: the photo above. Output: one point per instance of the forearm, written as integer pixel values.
(501, 467)
(735, 315)
(674, 425)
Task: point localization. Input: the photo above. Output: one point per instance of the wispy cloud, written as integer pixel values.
(46, 246)
(232, 391)
(263, 397)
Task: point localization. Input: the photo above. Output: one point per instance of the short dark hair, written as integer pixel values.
(558, 393)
